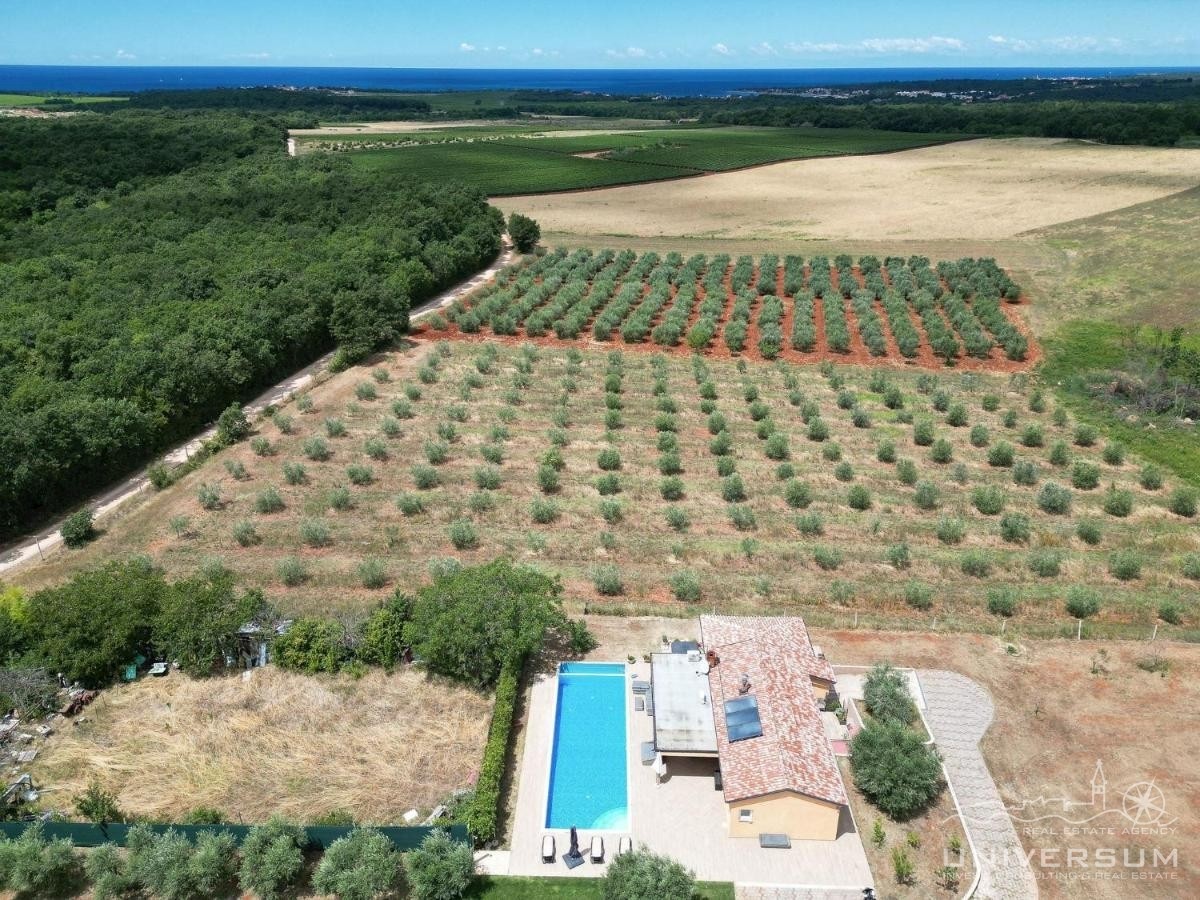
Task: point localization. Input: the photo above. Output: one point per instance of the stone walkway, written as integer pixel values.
(781, 892)
(959, 712)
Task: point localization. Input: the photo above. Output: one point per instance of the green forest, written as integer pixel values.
(154, 268)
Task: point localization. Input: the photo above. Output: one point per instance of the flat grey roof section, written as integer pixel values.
(683, 716)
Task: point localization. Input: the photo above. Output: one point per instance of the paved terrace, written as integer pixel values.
(683, 817)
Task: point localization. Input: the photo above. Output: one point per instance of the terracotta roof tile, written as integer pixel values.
(793, 753)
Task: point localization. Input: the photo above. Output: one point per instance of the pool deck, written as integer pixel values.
(683, 817)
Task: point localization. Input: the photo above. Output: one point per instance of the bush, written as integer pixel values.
(1085, 435)
(831, 452)
(315, 449)
(950, 531)
(1054, 498)
(976, 563)
(372, 573)
(828, 558)
(859, 498)
(436, 452)
(1045, 563)
(742, 517)
(1015, 528)
(797, 494)
(1117, 502)
(1085, 476)
(272, 859)
(927, 495)
(426, 477)
(360, 866)
(207, 495)
(246, 534)
(1060, 454)
(1113, 453)
(607, 485)
(611, 511)
(462, 535)
(1002, 601)
(1125, 565)
(32, 866)
(1183, 502)
(776, 447)
(642, 875)
(902, 866)
(918, 595)
(988, 499)
(79, 527)
(732, 489)
(294, 473)
(1033, 436)
(609, 460)
(843, 472)
(381, 638)
(979, 436)
(923, 432)
(886, 452)
(677, 518)
(1170, 612)
(906, 471)
(487, 478)
(671, 488)
(1088, 532)
(818, 430)
(1001, 455)
(990, 402)
(1025, 472)
(168, 865)
(1082, 602)
(670, 463)
(810, 524)
(1150, 478)
(232, 425)
(942, 451)
(440, 869)
(607, 581)
(1191, 566)
(524, 231)
(894, 768)
(312, 645)
(268, 501)
(886, 696)
(685, 586)
(315, 533)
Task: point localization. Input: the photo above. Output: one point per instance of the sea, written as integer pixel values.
(656, 82)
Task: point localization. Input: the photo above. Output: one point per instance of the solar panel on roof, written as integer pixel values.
(741, 719)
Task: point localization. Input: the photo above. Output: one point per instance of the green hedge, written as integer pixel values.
(484, 810)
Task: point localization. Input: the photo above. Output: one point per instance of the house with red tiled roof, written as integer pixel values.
(752, 697)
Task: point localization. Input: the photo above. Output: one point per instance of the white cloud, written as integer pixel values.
(627, 53)
(252, 56)
(895, 45)
(464, 47)
(501, 49)
(722, 49)
(125, 54)
(764, 49)
(1063, 44)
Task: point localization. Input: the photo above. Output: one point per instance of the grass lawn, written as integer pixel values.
(519, 163)
(514, 888)
(39, 99)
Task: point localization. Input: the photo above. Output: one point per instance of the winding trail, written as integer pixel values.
(35, 546)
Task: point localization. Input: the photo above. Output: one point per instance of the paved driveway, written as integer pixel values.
(959, 712)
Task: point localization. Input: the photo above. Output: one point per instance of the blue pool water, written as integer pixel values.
(588, 764)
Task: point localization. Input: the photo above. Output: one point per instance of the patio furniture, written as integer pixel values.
(596, 854)
(624, 845)
(770, 841)
(641, 687)
(647, 752)
(649, 704)
(639, 703)
(548, 853)
(572, 862)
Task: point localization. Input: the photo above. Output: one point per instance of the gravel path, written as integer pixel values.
(959, 712)
(104, 503)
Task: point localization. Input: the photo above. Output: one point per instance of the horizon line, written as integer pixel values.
(1195, 67)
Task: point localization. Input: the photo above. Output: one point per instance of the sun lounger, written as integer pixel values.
(596, 854)
(548, 848)
(647, 752)
(649, 704)
(639, 703)
(641, 687)
(624, 845)
(770, 841)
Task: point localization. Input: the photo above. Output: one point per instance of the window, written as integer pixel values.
(746, 816)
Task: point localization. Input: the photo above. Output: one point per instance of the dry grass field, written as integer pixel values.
(1060, 706)
(892, 562)
(970, 191)
(279, 742)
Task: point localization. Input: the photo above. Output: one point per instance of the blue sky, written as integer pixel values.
(611, 34)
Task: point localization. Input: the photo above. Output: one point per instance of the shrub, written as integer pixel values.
(484, 805)
(272, 859)
(79, 527)
(1033, 436)
(1054, 498)
(990, 402)
(1025, 472)
(283, 423)
(410, 504)
(923, 432)
(315, 449)
(335, 428)
(940, 400)
(426, 477)
(1170, 612)
(462, 535)
(1113, 453)
(1001, 455)
(988, 499)
(1117, 502)
(268, 501)
(1045, 563)
(1082, 602)
(245, 534)
(979, 436)
(785, 471)
(487, 478)
(776, 447)
(1002, 601)
(975, 563)
(810, 524)
(611, 511)
(1085, 435)
(1191, 566)
(927, 495)
(643, 875)
(340, 498)
(607, 581)
(886, 452)
(548, 479)
(32, 866)
(1060, 454)
(886, 696)
(481, 502)
(670, 463)
(1015, 528)
(436, 452)
(902, 866)
(261, 446)
(1009, 419)
(671, 488)
(364, 390)
(942, 451)
(232, 425)
(950, 531)
(208, 496)
(294, 473)
(918, 595)
(844, 472)
(797, 494)
(1150, 478)
(831, 452)
(1125, 565)
(360, 475)
(441, 868)
(1088, 532)
(360, 866)
(609, 460)
(402, 408)
(447, 431)
(372, 573)
(1085, 475)
(859, 498)
(677, 518)
(375, 448)
(956, 415)
(906, 471)
(742, 517)
(817, 430)
(315, 533)
(607, 485)
(899, 556)
(685, 586)
(1183, 502)
(828, 558)
(732, 489)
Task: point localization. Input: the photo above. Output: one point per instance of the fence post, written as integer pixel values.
(856, 618)
(1003, 626)
(1079, 630)
(1154, 636)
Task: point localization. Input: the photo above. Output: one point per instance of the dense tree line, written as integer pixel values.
(300, 108)
(86, 158)
(128, 321)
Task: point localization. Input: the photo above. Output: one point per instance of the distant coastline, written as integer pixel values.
(660, 82)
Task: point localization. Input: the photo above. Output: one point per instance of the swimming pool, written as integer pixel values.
(588, 763)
